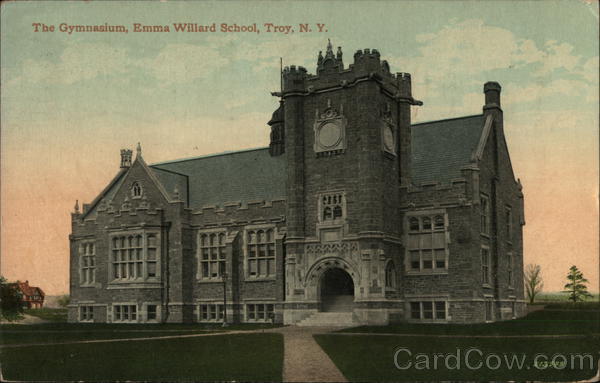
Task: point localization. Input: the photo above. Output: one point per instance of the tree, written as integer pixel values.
(576, 287)
(533, 281)
(11, 300)
(63, 300)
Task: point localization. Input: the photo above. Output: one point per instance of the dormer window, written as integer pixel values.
(136, 190)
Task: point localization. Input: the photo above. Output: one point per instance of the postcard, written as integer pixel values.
(300, 191)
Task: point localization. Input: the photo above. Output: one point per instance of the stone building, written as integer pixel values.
(352, 215)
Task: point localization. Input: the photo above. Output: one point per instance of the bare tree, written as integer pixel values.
(533, 281)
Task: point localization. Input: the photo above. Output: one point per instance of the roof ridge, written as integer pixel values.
(209, 156)
(448, 119)
(169, 171)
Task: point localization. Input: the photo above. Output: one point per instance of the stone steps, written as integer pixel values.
(329, 319)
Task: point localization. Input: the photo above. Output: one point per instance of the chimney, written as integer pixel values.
(492, 94)
(126, 158)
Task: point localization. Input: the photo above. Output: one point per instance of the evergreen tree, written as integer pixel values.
(576, 287)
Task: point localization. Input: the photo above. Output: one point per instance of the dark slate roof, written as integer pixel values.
(441, 148)
(171, 180)
(249, 175)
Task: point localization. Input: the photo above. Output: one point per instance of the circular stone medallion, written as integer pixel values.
(330, 135)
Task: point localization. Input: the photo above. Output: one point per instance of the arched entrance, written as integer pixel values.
(336, 290)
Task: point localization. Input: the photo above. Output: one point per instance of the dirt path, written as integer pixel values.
(304, 360)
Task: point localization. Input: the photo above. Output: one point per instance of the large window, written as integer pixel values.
(509, 225)
(489, 310)
(87, 263)
(428, 310)
(485, 265)
(390, 275)
(124, 313)
(485, 215)
(212, 255)
(151, 312)
(86, 313)
(210, 312)
(511, 265)
(427, 244)
(259, 312)
(135, 256)
(260, 250)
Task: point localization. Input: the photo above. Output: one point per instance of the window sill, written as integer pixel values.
(485, 235)
(487, 286)
(211, 280)
(390, 289)
(259, 279)
(91, 285)
(134, 285)
(429, 272)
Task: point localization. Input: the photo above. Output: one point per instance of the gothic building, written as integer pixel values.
(352, 215)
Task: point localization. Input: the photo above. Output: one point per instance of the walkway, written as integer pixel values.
(304, 360)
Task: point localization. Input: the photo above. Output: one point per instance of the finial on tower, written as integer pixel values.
(76, 206)
(138, 150)
(339, 53)
(329, 53)
(320, 58)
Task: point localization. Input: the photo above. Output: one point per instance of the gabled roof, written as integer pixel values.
(172, 181)
(441, 148)
(29, 290)
(243, 176)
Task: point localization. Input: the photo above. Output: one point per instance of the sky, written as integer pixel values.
(71, 101)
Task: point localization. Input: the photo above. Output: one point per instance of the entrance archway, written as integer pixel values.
(337, 290)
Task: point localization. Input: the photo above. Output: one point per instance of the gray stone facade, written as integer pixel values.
(424, 220)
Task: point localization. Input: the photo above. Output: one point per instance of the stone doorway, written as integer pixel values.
(337, 291)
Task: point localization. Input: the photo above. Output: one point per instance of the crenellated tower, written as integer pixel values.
(347, 142)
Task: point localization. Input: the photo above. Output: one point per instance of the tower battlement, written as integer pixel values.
(330, 71)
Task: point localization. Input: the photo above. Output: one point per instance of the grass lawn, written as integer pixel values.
(543, 322)
(370, 357)
(557, 296)
(49, 314)
(64, 332)
(242, 357)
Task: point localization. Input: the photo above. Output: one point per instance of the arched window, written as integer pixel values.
(327, 214)
(337, 212)
(136, 190)
(414, 224)
(390, 275)
(426, 223)
(438, 222)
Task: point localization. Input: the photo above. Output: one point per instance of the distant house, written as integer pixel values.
(33, 297)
